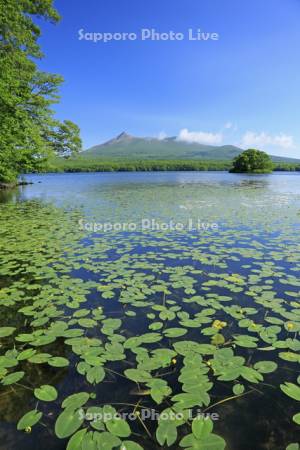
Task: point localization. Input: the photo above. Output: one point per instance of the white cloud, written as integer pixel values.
(263, 140)
(230, 126)
(162, 135)
(199, 137)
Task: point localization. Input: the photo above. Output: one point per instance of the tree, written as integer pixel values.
(64, 139)
(28, 131)
(252, 161)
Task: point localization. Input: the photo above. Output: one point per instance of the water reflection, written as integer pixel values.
(11, 195)
(208, 194)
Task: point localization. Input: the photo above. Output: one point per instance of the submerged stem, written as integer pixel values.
(228, 399)
(145, 427)
(24, 387)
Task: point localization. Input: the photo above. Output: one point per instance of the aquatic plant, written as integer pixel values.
(170, 322)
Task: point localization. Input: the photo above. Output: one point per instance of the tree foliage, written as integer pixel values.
(28, 130)
(64, 138)
(252, 161)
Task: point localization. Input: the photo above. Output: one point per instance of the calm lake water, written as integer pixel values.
(189, 280)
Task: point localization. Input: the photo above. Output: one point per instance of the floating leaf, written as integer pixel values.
(289, 356)
(265, 366)
(166, 432)
(46, 393)
(174, 332)
(6, 331)
(218, 339)
(296, 418)
(95, 375)
(12, 378)
(137, 375)
(211, 442)
(26, 354)
(29, 419)
(246, 341)
(292, 390)
(238, 389)
(76, 400)
(106, 441)
(118, 427)
(293, 447)
(58, 362)
(202, 427)
(130, 445)
(68, 422)
(76, 440)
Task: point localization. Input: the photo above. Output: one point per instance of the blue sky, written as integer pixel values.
(242, 89)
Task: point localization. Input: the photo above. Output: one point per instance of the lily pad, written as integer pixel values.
(46, 393)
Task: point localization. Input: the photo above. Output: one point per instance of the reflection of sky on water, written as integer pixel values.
(209, 196)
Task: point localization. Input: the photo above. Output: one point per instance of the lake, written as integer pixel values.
(149, 311)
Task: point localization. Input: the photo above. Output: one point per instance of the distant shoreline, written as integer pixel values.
(98, 165)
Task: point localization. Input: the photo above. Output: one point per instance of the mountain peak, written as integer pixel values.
(122, 136)
(119, 139)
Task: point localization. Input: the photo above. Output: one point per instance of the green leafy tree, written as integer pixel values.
(27, 127)
(65, 139)
(252, 161)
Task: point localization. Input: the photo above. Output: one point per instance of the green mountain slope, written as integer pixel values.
(125, 147)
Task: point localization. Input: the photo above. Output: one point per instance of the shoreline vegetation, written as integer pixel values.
(97, 165)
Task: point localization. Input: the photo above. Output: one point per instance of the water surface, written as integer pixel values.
(241, 269)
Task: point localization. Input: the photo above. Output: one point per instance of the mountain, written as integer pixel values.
(126, 147)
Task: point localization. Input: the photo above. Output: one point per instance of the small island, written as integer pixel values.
(252, 161)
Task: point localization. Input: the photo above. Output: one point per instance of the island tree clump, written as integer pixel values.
(252, 161)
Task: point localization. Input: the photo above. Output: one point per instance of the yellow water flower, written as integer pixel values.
(28, 430)
(218, 324)
(174, 361)
(234, 278)
(290, 326)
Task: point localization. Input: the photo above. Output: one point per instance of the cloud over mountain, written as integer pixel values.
(200, 137)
